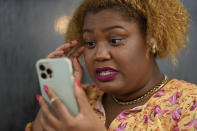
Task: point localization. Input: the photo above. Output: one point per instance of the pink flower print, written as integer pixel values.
(176, 129)
(147, 118)
(121, 127)
(176, 114)
(160, 93)
(174, 98)
(194, 105)
(157, 110)
(188, 124)
(122, 117)
(192, 122)
(195, 123)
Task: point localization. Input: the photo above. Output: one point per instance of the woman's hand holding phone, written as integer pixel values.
(63, 50)
(86, 120)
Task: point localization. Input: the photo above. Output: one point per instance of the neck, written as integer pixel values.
(150, 81)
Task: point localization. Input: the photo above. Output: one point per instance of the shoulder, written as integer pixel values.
(177, 88)
(176, 103)
(180, 84)
(175, 93)
(183, 89)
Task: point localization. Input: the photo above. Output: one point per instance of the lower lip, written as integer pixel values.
(107, 77)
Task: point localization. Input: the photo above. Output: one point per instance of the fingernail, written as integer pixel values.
(78, 82)
(46, 89)
(37, 97)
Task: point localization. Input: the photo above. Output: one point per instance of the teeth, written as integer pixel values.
(104, 73)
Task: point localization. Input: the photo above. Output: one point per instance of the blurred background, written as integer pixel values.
(29, 30)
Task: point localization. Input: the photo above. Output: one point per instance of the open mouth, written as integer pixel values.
(106, 74)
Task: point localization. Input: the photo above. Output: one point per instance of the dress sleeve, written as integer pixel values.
(188, 120)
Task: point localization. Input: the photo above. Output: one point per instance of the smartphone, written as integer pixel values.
(57, 74)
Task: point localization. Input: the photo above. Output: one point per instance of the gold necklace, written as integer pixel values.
(148, 94)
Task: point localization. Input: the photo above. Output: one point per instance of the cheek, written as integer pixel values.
(131, 58)
(129, 55)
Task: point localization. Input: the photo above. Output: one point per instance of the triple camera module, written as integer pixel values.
(45, 72)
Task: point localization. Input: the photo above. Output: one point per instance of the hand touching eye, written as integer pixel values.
(63, 50)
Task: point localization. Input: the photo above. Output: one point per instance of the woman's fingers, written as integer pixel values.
(81, 98)
(56, 54)
(45, 125)
(57, 105)
(68, 46)
(62, 50)
(48, 117)
(75, 62)
(78, 71)
(77, 53)
(37, 122)
(65, 47)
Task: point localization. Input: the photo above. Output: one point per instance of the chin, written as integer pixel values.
(110, 87)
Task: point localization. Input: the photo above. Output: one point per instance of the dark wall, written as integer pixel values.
(27, 34)
(187, 63)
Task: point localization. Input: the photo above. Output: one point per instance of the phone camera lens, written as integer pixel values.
(42, 67)
(43, 75)
(49, 71)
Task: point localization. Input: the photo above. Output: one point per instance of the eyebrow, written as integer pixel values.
(106, 29)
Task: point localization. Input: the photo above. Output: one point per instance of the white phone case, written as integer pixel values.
(57, 74)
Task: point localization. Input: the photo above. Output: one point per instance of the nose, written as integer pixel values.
(102, 52)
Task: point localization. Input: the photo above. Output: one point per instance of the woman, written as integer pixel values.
(120, 40)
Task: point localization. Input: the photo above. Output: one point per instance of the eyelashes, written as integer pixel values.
(90, 44)
(113, 42)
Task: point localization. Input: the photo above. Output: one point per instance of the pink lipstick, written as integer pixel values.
(106, 74)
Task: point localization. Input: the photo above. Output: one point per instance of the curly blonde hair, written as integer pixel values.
(165, 21)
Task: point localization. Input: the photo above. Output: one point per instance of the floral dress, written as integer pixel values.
(173, 108)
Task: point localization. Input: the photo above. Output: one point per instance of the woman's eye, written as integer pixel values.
(115, 42)
(90, 44)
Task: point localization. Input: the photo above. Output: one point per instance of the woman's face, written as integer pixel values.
(115, 55)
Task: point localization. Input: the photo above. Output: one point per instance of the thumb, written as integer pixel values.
(78, 71)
